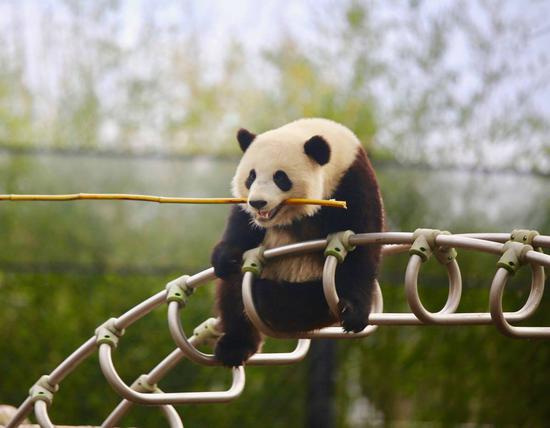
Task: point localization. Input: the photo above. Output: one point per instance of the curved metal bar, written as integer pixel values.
(377, 317)
(172, 416)
(119, 411)
(110, 373)
(328, 332)
(448, 317)
(154, 376)
(411, 289)
(281, 358)
(22, 412)
(498, 316)
(193, 354)
(329, 285)
(41, 413)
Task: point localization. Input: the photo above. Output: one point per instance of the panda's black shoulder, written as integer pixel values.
(359, 187)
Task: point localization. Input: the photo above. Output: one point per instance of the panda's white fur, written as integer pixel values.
(283, 149)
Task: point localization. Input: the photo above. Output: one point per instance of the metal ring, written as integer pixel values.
(469, 318)
(411, 289)
(41, 413)
(328, 332)
(495, 304)
(193, 354)
(112, 376)
(329, 285)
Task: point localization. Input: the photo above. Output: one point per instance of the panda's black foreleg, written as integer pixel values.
(355, 284)
(241, 340)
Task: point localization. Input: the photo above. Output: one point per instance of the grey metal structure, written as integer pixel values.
(518, 248)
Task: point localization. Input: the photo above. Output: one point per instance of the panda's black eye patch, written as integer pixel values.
(250, 179)
(282, 181)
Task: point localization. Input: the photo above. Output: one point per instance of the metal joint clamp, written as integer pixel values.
(424, 245)
(524, 236)
(207, 332)
(513, 256)
(43, 390)
(108, 333)
(141, 384)
(253, 261)
(338, 245)
(179, 291)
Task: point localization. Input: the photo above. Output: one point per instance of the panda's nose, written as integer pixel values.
(258, 204)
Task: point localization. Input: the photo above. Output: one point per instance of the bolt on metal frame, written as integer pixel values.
(145, 391)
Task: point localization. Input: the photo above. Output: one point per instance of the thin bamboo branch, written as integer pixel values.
(162, 199)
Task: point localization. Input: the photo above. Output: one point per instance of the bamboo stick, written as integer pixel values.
(162, 199)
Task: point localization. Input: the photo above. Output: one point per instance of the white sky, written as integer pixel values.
(260, 25)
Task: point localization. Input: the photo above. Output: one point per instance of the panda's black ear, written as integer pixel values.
(318, 149)
(245, 138)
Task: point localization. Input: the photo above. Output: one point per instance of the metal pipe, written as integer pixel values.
(41, 413)
(201, 277)
(73, 360)
(381, 238)
(541, 241)
(294, 249)
(110, 373)
(538, 258)
(462, 241)
(139, 311)
(22, 412)
(391, 249)
(495, 303)
(495, 237)
(117, 413)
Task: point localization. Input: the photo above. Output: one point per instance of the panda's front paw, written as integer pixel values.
(226, 260)
(233, 351)
(353, 317)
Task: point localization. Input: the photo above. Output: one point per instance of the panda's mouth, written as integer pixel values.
(266, 215)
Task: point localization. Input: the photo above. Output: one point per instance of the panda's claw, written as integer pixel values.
(352, 317)
(233, 351)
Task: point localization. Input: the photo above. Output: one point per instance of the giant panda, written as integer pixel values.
(308, 158)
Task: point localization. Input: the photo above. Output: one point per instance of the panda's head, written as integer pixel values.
(277, 166)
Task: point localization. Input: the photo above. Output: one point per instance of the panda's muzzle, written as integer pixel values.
(265, 215)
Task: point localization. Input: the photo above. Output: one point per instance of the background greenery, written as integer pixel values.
(158, 116)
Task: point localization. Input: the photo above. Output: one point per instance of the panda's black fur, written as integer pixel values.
(293, 306)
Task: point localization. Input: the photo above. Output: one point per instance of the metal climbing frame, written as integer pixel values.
(516, 249)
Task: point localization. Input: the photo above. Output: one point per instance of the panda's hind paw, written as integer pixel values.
(233, 351)
(353, 318)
